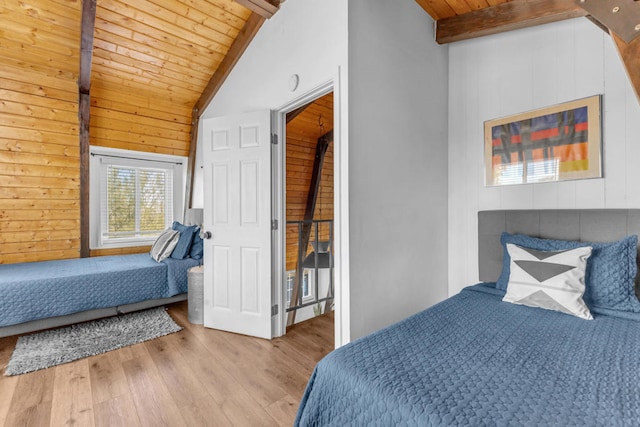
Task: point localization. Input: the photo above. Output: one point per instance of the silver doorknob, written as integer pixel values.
(205, 235)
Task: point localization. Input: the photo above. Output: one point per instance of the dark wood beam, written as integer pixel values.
(236, 50)
(509, 16)
(630, 54)
(264, 8)
(312, 197)
(84, 108)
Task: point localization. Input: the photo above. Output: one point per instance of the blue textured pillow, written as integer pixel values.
(197, 246)
(183, 247)
(611, 270)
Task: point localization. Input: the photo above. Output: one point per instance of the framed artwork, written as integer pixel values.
(555, 143)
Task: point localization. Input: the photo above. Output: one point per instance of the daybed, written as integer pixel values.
(475, 359)
(48, 294)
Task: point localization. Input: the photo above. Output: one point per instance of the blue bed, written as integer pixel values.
(33, 291)
(475, 359)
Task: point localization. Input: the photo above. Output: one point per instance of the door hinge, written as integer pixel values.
(274, 310)
(274, 224)
(274, 139)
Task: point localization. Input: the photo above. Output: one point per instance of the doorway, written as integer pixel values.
(306, 268)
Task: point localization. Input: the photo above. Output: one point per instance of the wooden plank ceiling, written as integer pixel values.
(153, 63)
(465, 19)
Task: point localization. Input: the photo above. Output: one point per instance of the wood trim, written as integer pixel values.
(598, 24)
(236, 50)
(504, 17)
(264, 8)
(84, 109)
(630, 55)
(191, 163)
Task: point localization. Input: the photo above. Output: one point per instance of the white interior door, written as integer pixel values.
(237, 213)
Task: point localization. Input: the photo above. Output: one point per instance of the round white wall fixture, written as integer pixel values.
(294, 80)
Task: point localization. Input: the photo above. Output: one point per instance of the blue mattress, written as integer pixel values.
(31, 291)
(475, 360)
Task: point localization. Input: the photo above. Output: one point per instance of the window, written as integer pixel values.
(134, 196)
(307, 285)
(137, 202)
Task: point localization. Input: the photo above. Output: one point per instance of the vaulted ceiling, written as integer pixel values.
(139, 73)
(464, 19)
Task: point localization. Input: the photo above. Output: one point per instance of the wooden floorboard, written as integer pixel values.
(196, 377)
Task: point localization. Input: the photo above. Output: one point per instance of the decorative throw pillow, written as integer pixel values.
(164, 245)
(183, 247)
(610, 275)
(553, 280)
(197, 246)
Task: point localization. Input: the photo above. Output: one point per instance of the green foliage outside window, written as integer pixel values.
(136, 200)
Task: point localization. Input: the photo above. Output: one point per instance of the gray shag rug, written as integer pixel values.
(56, 346)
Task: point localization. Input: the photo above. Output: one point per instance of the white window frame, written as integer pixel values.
(119, 157)
(311, 277)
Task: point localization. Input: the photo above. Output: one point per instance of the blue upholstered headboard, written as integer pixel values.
(594, 225)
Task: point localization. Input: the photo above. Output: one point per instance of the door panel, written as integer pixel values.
(237, 199)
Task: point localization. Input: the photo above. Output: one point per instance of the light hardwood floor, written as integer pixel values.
(195, 377)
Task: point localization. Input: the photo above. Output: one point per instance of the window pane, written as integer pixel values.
(305, 285)
(137, 201)
(152, 200)
(121, 199)
(290, 281)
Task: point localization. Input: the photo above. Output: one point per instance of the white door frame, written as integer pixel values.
(341, 312)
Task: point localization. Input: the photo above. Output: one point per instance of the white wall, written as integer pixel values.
(499, 75)
(397, 167)
(305, 37)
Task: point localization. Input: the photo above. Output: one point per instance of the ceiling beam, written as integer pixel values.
(630, 54)
(509, 16)
(84, 108)
(86, 44)
(264, 8)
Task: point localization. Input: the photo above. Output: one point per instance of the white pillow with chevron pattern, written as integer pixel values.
(553, 280)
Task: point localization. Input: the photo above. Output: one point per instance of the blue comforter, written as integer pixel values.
(31, 291)
(475, 360)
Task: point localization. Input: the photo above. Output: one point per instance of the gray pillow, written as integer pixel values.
(164, 244)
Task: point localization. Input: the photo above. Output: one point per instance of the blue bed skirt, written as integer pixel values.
(475, 360)
(39, 290)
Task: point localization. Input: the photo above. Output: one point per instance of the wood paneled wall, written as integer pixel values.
(151, 61)
(302, 137)
(39, 154)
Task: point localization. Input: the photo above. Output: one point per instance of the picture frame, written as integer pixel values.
(550, 144)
